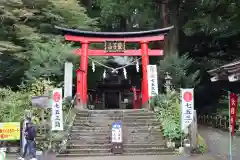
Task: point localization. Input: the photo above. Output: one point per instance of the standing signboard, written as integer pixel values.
(117, 143)
(187, 107)
(57, 113)
(10, 131)
(152, 80)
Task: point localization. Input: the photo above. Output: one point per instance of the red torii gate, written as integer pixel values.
(87, 37)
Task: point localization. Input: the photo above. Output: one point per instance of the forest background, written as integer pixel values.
(205, 36)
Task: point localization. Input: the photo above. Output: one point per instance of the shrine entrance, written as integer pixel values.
(114, 43)
(112, 100)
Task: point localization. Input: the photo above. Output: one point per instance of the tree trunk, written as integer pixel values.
(165, 17)
(123, 24)
(173, 38)
(170, 17)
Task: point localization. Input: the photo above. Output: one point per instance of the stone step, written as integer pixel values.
(111, 114)
(128, 130)
(141, 129)
(84, 154)
(104, 121)
(144, 141)
(88, 150)
(116, 118)
(125, 133)
(107, 128)
(114, 111)
(108, 141)
(89, 141)
(94, 146)
(99, 134)
(90, 129)
(89, 138)
(82, 146)
(108, 150)
(111, 154)
(127, 138)
(75, 124)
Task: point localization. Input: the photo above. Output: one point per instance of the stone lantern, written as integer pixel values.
(168, 82)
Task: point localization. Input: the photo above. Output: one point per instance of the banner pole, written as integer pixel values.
(230, 128)
(181, 119)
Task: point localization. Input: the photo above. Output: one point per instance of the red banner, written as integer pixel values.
(233, 102)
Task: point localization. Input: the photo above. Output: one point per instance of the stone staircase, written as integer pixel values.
(91, 133)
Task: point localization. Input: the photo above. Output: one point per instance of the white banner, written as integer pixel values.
(152, 80)
(57, 112)
(68, 76)
(187, 107)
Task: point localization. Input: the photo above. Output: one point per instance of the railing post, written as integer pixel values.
(207, 120)
(216, 123)
(211, 121)
(225, 122)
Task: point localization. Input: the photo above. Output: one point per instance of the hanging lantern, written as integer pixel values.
(137, 66)
(125, 73)
(104, 74)
(93, 66)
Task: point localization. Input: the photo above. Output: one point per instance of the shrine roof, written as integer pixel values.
(75, 32)
(230, 68)
(223, 72)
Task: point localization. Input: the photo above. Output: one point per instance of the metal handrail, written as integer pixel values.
(69, 111)
(69, 124)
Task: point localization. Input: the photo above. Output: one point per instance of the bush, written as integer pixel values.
(13, 105)
(202, 145)
(223, 106)
(180, 69)
(167, 109)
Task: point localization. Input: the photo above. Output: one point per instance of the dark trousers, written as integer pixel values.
(31, 147)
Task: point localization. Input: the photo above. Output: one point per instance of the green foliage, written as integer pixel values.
(213, 29)
(202, 145)
(71, 14)
(13, 105)
(215, 17)
(223, 106)
(47, 60)
(179, 69)
(27, 27)
(167, 109)
(126, 15)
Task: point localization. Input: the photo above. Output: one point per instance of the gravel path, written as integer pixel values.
(218, 143)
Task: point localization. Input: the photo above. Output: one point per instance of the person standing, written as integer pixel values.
(30, 136)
